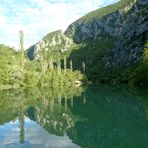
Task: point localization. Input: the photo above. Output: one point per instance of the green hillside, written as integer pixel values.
(17, 71)
(96, 14)
(107, 44)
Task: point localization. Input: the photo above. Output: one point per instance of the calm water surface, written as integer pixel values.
(100, 117)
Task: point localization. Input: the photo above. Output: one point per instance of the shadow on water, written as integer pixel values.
(74, 117)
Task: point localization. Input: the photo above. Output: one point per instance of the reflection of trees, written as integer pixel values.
(52, 109)
(55, 117)
(113, 118)
(21, 126)
(47, 107)
(21, 117)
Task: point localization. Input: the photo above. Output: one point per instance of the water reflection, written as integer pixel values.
(36, 118)
(35, 136)
(97, 117)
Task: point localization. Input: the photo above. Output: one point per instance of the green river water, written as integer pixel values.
(95, 117)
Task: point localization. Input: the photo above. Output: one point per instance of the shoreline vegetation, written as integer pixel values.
(17, 71)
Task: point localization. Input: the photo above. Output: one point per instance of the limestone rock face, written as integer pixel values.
(52, 41)
(129, 26)
(82, 31)
(126, 22)
(134, 33)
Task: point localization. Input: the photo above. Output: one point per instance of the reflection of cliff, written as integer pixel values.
(10, 100)
(48, 108)
(54, 115)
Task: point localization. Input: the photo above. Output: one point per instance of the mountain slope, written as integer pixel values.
(108, 19)
(53, 42)
(109, 41)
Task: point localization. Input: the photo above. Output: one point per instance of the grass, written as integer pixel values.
(105, 10)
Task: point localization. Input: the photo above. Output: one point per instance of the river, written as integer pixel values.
(94, 117)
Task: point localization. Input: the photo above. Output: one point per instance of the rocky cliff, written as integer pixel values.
(113, 36)
(54, 41)
(128, 25)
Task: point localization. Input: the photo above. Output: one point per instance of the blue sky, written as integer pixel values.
(39, 17)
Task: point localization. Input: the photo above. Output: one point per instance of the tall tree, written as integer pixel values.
(51, 66)
(21, 36)
(71, 68)
(65, 64)
(21, 48)
(59, 66)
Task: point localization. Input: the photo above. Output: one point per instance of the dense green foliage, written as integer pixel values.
(134, 74)
(9, 64)
(140, 74)
(89, 53)
(17, 71)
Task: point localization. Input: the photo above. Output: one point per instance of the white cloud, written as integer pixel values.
(39, 17)
(35, 136)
